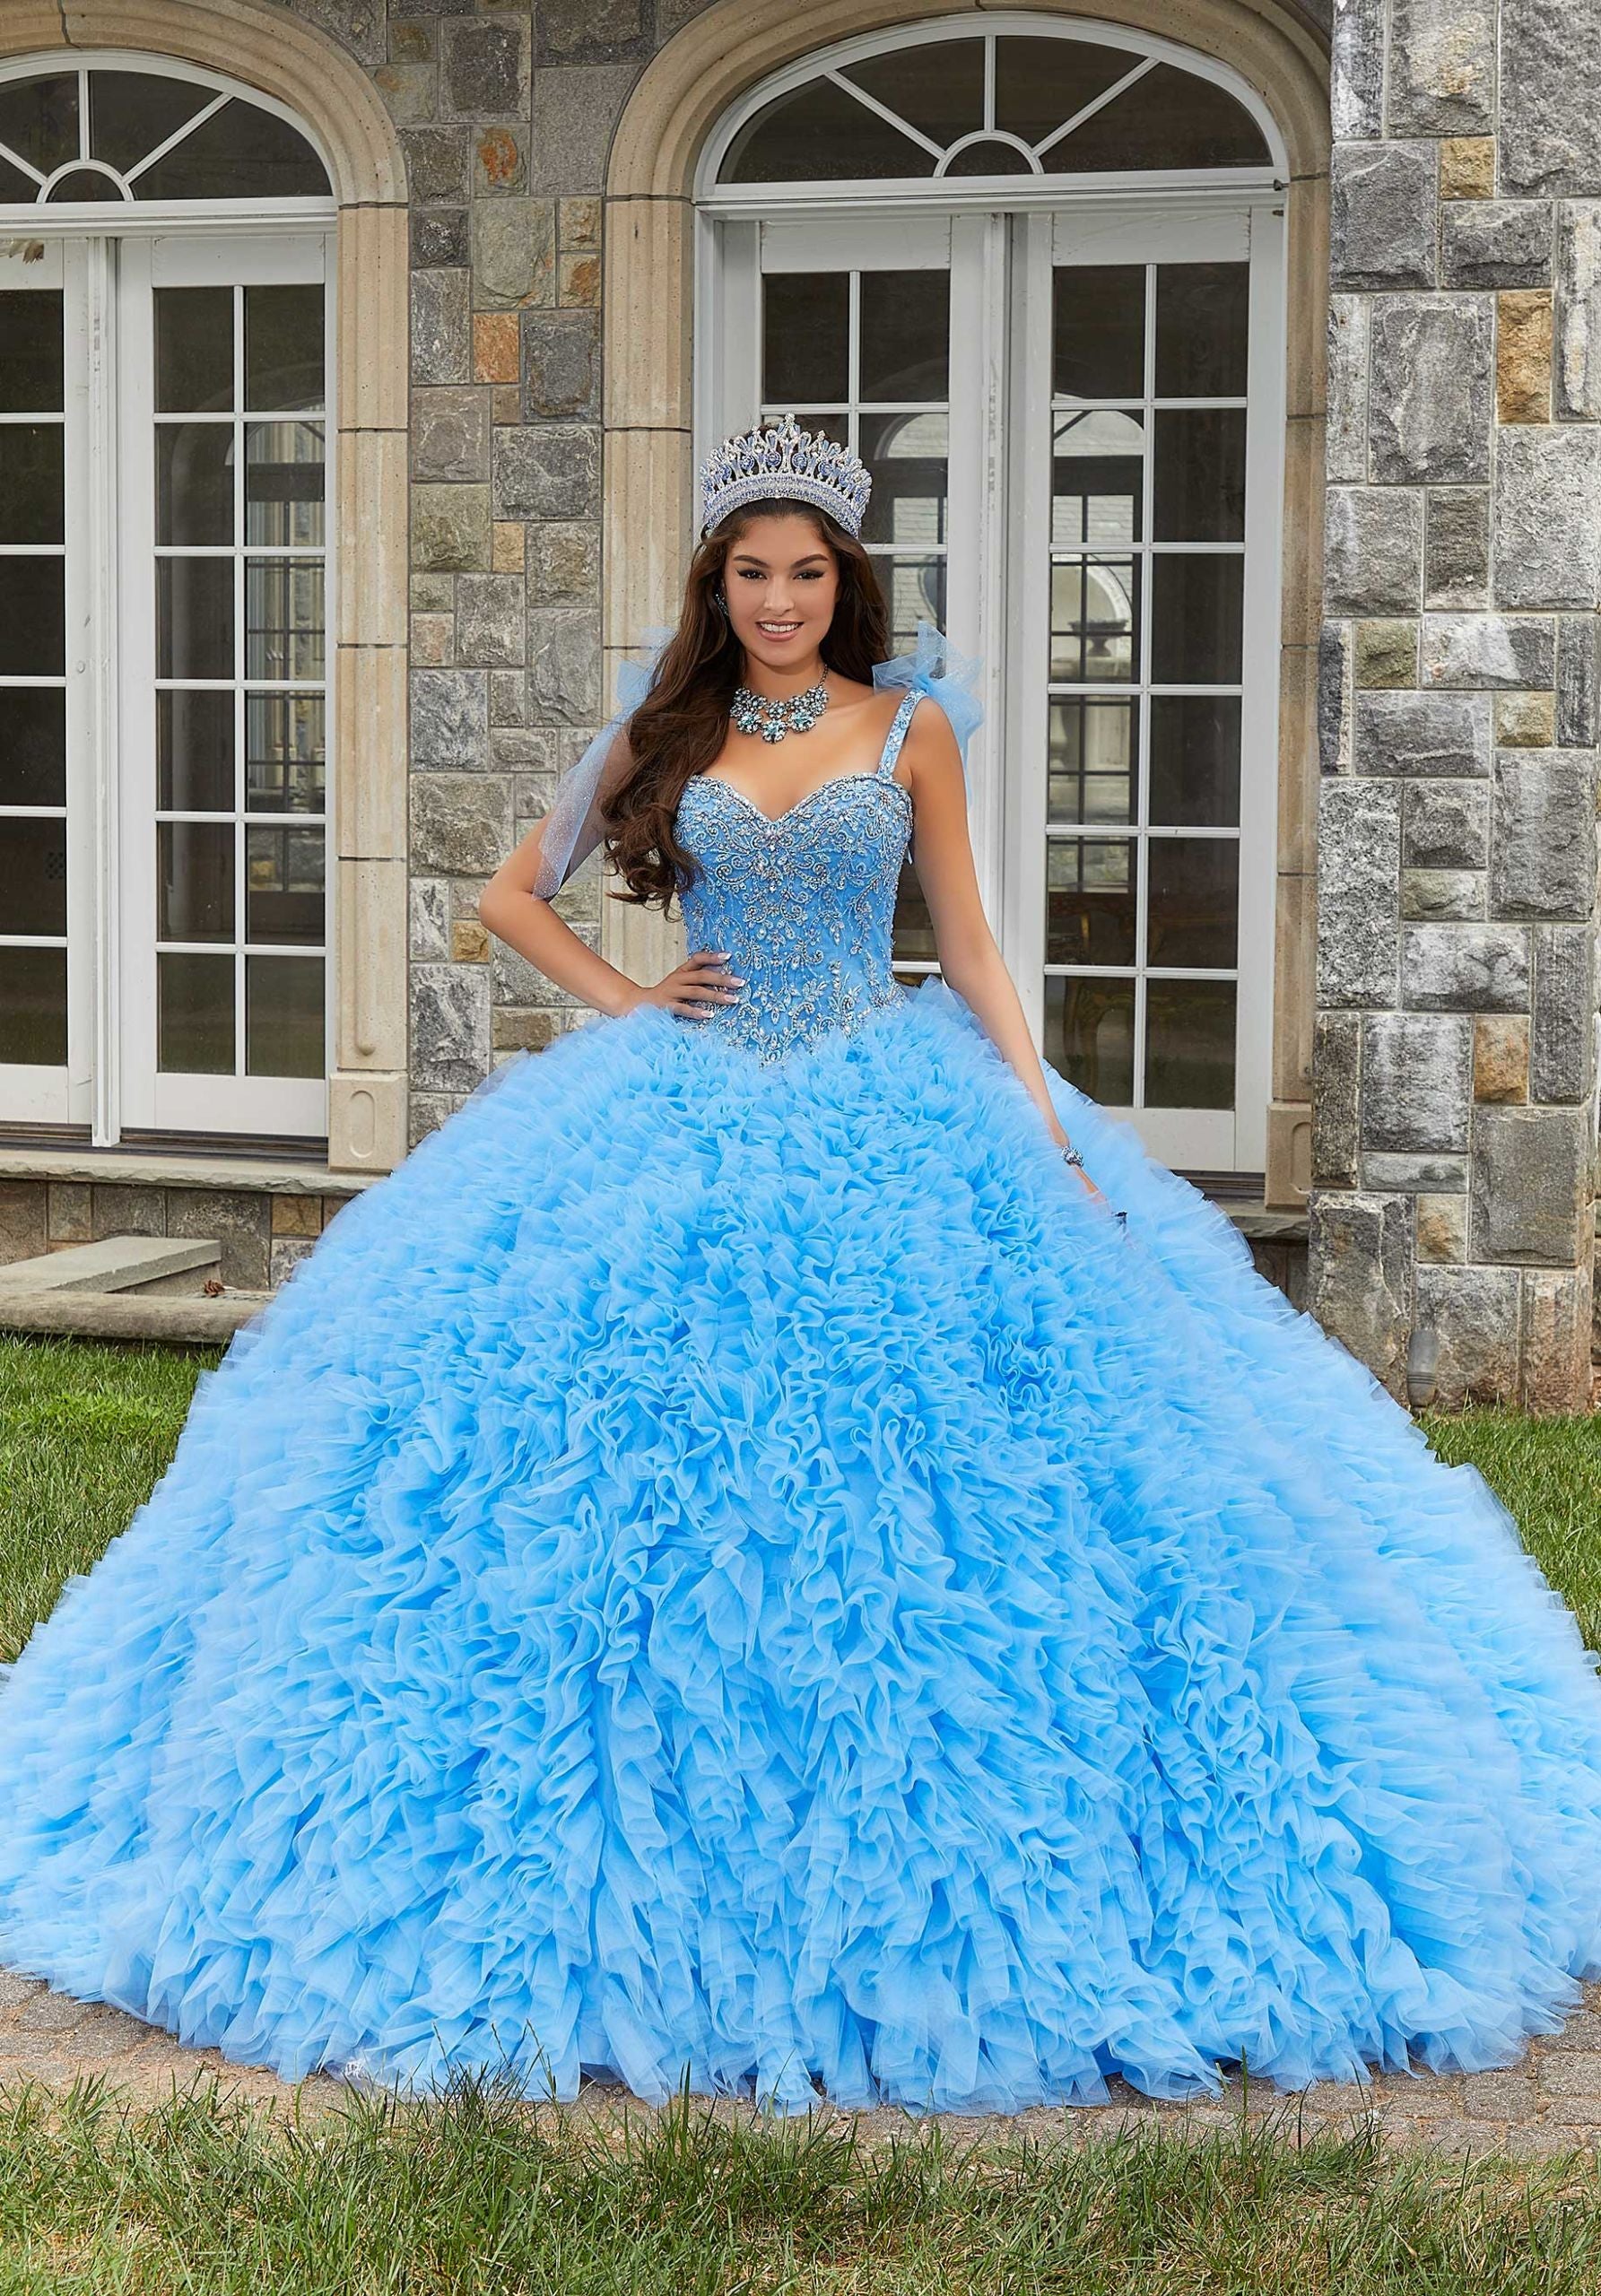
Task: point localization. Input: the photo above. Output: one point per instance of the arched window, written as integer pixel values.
(163, 663)
(1032, 272)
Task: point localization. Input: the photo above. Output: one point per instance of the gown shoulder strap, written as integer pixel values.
(897, 734)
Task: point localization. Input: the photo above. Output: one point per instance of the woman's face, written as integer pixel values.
(781, 581)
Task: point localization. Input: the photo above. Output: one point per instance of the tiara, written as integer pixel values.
(779, 459)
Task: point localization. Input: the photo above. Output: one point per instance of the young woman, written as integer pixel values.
(734, 1562)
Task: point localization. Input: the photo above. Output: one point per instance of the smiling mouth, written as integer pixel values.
(778, 628)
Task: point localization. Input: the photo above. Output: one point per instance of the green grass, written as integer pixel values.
(479, 2195)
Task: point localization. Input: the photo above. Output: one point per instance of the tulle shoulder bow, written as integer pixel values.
(933, 666)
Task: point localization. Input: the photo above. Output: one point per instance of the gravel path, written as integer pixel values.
(1548, 2102)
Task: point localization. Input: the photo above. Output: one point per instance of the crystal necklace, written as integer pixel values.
(757, 713)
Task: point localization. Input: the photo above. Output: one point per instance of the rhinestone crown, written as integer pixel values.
(781, 459)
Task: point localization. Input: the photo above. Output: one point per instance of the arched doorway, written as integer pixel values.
(1031, 270)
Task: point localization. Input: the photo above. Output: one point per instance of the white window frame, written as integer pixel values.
(997, 226)
(110, 834)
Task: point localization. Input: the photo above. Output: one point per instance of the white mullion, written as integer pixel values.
(1099, 103)
(1142, 689)
(990, 40)
(239, 665)
(83, 111)
(101, 260)
(901, 127)
(25, 167)
(178, 136)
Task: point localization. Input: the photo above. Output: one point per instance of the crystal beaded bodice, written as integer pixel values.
(804, 901)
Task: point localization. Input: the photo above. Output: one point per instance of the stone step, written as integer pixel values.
(195, 1321)
(148, 1263)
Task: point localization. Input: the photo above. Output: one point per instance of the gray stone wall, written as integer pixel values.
(505, 114)
(1453, 1213)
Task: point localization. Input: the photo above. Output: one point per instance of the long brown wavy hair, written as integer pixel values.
(679, 727)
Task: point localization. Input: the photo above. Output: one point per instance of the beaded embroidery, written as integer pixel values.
(804, 901)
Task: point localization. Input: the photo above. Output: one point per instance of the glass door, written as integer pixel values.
(46, 877)
(1143, 670)
(224, 684)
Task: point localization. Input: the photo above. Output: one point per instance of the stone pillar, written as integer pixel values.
(1453, 1208)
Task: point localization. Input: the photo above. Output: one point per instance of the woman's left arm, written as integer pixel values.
(970, 963)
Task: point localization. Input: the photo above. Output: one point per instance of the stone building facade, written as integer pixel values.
(522, 296)
(1453, 1216)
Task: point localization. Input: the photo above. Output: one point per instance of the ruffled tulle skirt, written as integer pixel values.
(746, 1573)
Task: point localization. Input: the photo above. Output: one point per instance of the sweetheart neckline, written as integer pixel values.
(777, 821)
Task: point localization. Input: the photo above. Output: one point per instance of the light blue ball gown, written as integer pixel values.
(729, 1564)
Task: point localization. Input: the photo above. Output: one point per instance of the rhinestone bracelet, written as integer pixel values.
(1070, 1155)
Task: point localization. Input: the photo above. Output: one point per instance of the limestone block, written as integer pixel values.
(451, 528)
(1431, 392)
(575, 107)
(1579, 682)
(564, 666)
(1557, 1310)
(1547, 517)
(1550, 97)
(439, 237)
(1417, 1082)
(1562, 1059)
(1356, 94)
(485, 68)
(1467, 167)
(1495, 243)
(1337, 1076)
(489, 621)
(1434, 895)
(450, 1046)
(1387, 654)
(1442, 1228)
(514, 253)
(563, 563)
(1525, 721)
(1391, 1174)
(1447, 825)
(437, 166)
(441, 326)
(1474, 1312)
(508, 707)
(560, 365)
(460, 823)
(1334, 667)
(240, 1223)
(1359, 1277)
(1442, 67)
(547, 470)
(494, 347)
(1543, 845)
(117, 1210)
(1523, 356)
(1487, 649)
(1531, 1186)
(1359, 872)
(1456, 550)
(449, 718)
(1350, 336)
(1383, 218)
(1444, 735)
(428, 928)
(68, 1207)
(1374, 550)
(1500, 1056)
(1579, 311)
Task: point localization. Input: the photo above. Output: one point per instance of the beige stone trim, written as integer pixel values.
(649, 326)
(268, 48)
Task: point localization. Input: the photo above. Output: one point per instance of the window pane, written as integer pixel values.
(33, 617)
(15, 183)
(906, 334)
(1040, 84)
(33, 1007)
(990, 157)
(939, 87)
(284, 885)
(1189, 1044)
(130, 112)
(1196, 619)
(914, 940)
(1193, 900)
(284, 618)
(805, 335)
(1088, 1036)
(196, 889)
(31, 368)
(240, 152)
(283, 1016)
(194, 617)
(195, 483)
(194, 349)
(285, 753)
(32, 746)
(1194, 760)
(194, 752)
(1168, 118)
(283, 483)
(1203, 312)
(1094, 620)
(283, 347)
(39, 120)
(821, 132)
(1089, 901)
(914, 591)
(1099, 482)
(31, 489)
(1200, 476)
(906, 455)
(193, 1014)
(33, 872)
(82, 185)
(1092, 776)
(1098, 331)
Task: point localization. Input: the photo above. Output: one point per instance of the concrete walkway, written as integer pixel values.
(1550, 2101)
